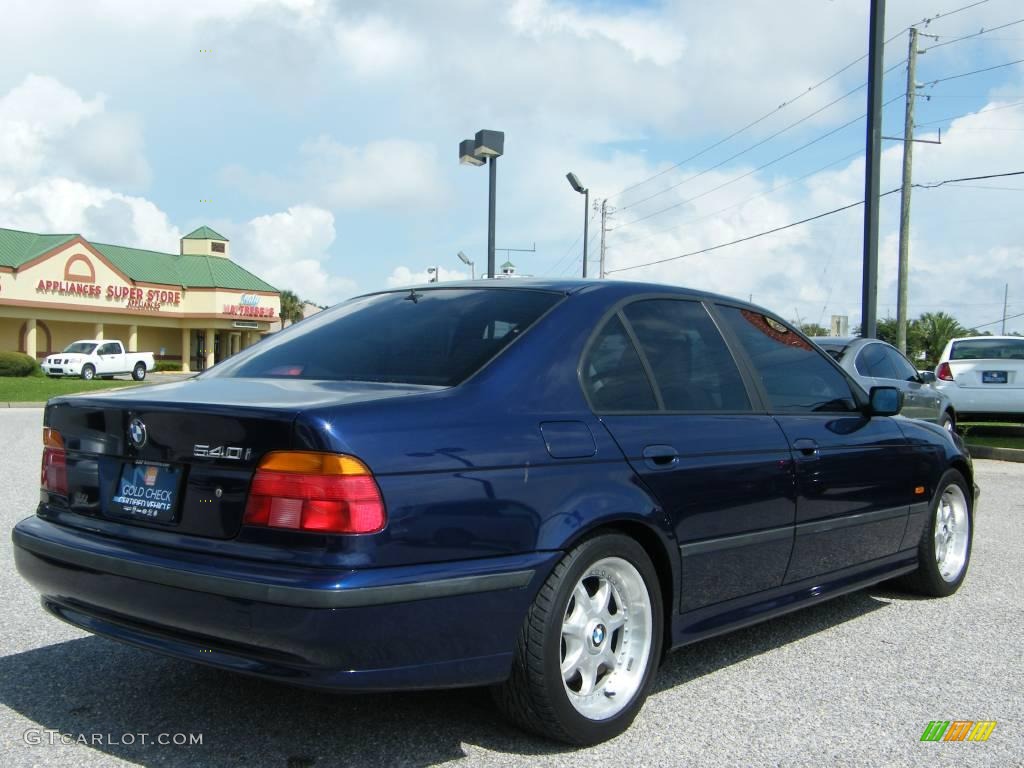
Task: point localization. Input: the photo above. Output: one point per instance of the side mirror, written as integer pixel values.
(927, 377)
(886, 401)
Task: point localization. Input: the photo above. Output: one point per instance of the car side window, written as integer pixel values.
(797, 377)
(902, 369)
(107, 349)
(873, 361)
(613, 376)
(692, 366)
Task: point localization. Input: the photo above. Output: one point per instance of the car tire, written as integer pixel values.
(88, 372)
(602, 606)
(944, 552)
(947, 422)
(139, 371)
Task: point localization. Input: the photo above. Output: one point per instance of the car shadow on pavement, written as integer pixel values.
(91, 688)
(707, 656)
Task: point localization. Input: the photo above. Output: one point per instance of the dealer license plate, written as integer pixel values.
(147, 492)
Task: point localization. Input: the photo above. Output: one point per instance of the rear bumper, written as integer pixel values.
(981, 400)
(438, 625)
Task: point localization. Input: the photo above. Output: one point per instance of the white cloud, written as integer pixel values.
(48, 129)
(384, 174)
(288, 249)
(375, 47)
(100, 214)
(643, 34)
(402, 276)
(379, 174)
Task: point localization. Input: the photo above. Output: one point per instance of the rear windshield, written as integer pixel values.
(80, 347)
(988, 349)
(431, 336)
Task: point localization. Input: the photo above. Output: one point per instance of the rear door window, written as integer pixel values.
(874, 362)
(613, 376)
(797, 376)
(692, 366)
(436, 337)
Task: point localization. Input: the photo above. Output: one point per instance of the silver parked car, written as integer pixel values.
(875, 363)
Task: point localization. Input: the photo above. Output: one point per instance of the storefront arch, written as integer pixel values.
(42, 331)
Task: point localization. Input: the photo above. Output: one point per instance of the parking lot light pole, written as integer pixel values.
(465, 260)
(487, 147)
(585, 191)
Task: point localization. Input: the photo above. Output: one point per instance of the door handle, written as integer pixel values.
(660, 456)
(807, 447)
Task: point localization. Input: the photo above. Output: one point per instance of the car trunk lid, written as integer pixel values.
(181, 456)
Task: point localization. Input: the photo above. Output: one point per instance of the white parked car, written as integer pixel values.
(90, 358)
(983, 376)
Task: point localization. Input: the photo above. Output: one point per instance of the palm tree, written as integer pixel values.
(936, 329)
(291, 308)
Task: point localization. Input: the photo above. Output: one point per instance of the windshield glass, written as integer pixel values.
(430, 336)
(80, 347)
(988, 349)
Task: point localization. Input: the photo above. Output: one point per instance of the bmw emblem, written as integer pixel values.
(137, 433)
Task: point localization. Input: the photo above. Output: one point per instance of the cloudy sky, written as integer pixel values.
(321, 138)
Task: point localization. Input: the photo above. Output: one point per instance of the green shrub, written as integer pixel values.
(167, 365)
(16, 364)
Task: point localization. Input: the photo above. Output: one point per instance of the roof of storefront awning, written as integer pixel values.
(204, 233)
(189, 271)
(18, 247)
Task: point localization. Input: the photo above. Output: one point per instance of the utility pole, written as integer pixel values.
(873, 151)
(1006, 294)
(605, 212)
(908, 162)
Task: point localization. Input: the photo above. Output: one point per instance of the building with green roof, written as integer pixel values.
(195, 307)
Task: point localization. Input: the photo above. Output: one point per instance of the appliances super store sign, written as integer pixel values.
(134, 298)
(248, 306)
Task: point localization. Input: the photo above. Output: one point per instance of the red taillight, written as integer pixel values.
(55, 464)
(944, 372)
(307, 491)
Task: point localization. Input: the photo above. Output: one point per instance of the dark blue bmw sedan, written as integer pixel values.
(539, 486)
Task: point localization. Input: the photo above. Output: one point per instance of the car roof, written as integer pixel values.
(837, 341)
(989, 338)
(621, 287)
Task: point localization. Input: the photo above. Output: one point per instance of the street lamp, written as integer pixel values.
(575, 183)
(436, 272)
(476, 151)
(465, 260)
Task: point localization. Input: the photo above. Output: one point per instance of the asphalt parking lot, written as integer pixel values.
(853, 681)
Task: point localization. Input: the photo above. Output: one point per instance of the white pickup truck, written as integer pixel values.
(90, 358)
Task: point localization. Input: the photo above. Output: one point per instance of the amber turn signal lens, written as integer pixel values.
(313, 463)
(52, 438)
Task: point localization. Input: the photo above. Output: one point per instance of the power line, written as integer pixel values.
(970, 114)
(751, 237)
(997, 189)
(743, 202)
(754, 146)
(925, 21)
(983, 31)
(760, 168)
(571, 246)
(810, 219)
(997, 322)
(937, 184)
(972, 72)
